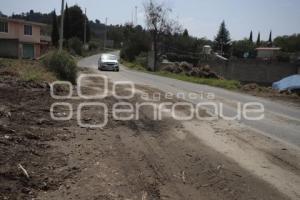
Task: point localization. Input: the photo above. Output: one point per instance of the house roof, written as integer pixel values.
(21, 21)
(268, 48)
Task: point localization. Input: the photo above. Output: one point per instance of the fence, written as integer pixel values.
(262, 72)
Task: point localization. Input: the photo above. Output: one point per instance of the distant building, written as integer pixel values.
(207, 49)
(22, 39)
(267, 52)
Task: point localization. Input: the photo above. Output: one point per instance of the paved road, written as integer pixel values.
(281, 121)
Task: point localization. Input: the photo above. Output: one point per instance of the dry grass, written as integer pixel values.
(26, 70)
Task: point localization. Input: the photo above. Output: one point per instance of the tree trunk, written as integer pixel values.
(155, 51)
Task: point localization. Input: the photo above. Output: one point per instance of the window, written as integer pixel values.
(4, 27)
(27, 30)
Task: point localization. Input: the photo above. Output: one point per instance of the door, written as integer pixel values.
(8, 48)
(28, 51)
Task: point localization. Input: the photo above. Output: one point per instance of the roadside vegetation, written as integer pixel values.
(134, 66)
(221, 83)
(54, 66)
(24, 70)
(62, 64)
(226, 84)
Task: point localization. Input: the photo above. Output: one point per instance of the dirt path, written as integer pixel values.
(138, 159)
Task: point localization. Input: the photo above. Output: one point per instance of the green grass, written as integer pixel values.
(226, 84)
(133, 65)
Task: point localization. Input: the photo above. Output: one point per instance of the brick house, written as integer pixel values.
(22, 39)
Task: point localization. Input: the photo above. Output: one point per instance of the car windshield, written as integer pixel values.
(108, 57)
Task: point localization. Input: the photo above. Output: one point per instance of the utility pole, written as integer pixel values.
(84, 39)
(136, 18)
(61, 39)
(132, 13)
(105, 34)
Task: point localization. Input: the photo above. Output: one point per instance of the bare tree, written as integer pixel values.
(159, 24)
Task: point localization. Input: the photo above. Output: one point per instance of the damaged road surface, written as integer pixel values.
(142, 159)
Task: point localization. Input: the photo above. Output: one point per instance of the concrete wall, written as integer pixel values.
(263, 72)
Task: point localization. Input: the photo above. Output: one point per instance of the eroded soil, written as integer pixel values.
(137, 159)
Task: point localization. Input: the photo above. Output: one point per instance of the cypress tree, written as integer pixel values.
(251, 37)
(55, 34)
(67, 28)
(270, 42)
(258, 40)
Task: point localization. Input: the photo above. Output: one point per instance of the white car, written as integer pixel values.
(108, 62)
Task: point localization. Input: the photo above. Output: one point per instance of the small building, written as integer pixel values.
(207, 49)
(21, 39)
(267, 52)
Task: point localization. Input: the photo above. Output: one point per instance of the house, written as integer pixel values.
(267, 52)
(21, 39)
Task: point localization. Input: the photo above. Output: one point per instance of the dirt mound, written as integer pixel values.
(172, 67)
(250, 87)
(189, 70)
(185, 66)
(269, 92)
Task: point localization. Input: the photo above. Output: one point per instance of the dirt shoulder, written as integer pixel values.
(250, 89)
(269, 93)
(136, 159)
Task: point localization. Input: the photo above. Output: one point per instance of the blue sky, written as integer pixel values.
(201, 17)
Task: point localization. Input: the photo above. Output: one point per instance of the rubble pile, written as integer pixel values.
(190, 70)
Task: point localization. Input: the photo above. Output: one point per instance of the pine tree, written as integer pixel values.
(222, 39)
(251, 37)
(270, 42)
(258, 40)
(67, 34)
(55, 34)
(186, 33)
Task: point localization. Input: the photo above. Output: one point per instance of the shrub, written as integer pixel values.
(138, 41)
(93, 46)
(283, 57)
(142, 59)
(174, 57)
(63, 65)
(75, 45)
